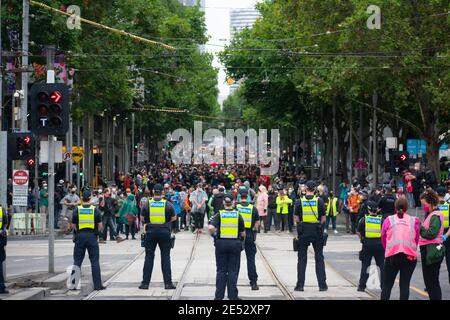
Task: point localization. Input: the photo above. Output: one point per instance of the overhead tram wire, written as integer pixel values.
(101, 26)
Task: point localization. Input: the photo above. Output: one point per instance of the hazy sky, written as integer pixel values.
(217, 14)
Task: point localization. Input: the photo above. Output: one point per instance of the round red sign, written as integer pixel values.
(20, 177)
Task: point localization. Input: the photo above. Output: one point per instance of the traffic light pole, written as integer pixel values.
(25, 53)
(51, 172)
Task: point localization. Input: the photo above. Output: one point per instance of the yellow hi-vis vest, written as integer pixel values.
(157, 211)
(1, 217)
(229, 224)
(332, 204)
(86, 218)
(445, 209)
(373, 227)
(246, 213)
(310, 210)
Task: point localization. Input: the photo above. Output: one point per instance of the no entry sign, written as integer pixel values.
(20, 177)
(20, 188)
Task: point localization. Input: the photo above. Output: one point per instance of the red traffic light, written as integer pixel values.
(403, 157)
(43, 109)
(55, 96)
(42, 96)
(30, 162)
(27, 139)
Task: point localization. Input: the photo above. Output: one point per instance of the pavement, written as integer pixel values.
(194, 270)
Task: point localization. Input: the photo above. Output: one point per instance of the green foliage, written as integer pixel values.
(312, 52)
(108, 63)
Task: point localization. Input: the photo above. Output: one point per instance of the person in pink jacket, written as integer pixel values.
(262, 201)
(400, 238)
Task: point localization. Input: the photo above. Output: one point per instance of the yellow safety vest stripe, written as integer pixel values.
(86, 218)
(373, 227)
(310, 210)
(445, 209)
(229, 224)
(332, 204)
(157, 211)
(1, 217)
(246, 213)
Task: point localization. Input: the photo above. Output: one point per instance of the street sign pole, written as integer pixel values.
(3, 180)
(51, 172)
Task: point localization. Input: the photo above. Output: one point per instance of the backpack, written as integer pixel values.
(187, 205)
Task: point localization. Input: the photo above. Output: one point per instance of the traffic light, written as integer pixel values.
(49, 108)
(399, 162)
(21, 146)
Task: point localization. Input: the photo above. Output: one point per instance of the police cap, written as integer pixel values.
(228, 198)
(372, 206)
(86, 195)
(158, 187)
(441, 191)
(311, 185)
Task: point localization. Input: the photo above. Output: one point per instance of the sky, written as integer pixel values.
(217, 15)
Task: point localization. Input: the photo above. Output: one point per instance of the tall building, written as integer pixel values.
(240, 19)
(218, 17)
(192, 2)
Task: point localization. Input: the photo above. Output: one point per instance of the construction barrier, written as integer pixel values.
(27, 223)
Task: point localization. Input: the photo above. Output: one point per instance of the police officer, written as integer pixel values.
(251, 221)
(87, 223)
(387, 202)
(310, 216)
(228, 229)
(157, 216)
(444, 207)
(3, 240)
(369, 231)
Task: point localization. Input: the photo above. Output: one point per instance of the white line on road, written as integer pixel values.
(38, 258)
(18, 260)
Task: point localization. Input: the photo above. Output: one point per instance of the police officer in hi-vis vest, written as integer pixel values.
(157, 216)
(228, 229)
(369, 231)
(3, 240)
(444, 207)
(251, 221)
(310, 217)
(332, 212)
(87, 224)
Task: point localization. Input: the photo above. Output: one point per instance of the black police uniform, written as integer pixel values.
(228, 255)
(310, 233)
(3, 241)
(87, 239)
(250, 246)
(387, 204)
(158, 235)
(371, 247)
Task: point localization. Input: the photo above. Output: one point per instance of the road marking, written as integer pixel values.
(38, 258)
(421, 292)
(18, 260)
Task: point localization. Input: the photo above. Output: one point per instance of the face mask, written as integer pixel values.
(426, 208)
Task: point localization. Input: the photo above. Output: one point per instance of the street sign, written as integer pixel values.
(43, 152)
(67, 156)
(20, 188)
(77, 154)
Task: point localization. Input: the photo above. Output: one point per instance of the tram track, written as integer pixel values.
(94, 293)
(278, 282)
(177, 293)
